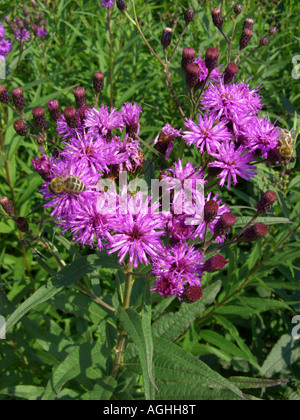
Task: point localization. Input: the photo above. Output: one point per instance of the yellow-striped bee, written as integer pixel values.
(71, 184)
(286, 143)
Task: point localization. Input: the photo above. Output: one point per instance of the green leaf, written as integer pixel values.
(83, 357)
(66, 276)
(246, 383)
(284, 353)
(28, 392)
(171, 326)
(102, 391)
(242, 221)
(132, 324)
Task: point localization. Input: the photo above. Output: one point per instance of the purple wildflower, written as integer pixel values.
(67, 132)
(131, 113)
(5, 47)
(137, 233)
(107, 3)
(44, 166)
(179, 266)
(164, 142)
(262, 135)
(214, 75)
(233, 162)
(104, 120)
(2, 31)
(41, 33)
(22, 35)
(207, 134)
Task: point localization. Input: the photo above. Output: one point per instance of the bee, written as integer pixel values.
(71, 184)
(286, 143)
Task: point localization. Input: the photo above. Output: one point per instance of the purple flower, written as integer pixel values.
(41, 32)
(231, 101)
(176, 268)
(232, 162)
(128, 153)
(5, 47)
(2, 31)
(67, 132)
(107, 3)
(44, 166)
(214, 75)
(262, 135)
(131, 113)
(206, 135)
(102, 121)
(67, 203)
(22, 35)
(137, 232)
(164, 142)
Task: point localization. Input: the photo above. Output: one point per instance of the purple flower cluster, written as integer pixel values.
(230, 135)
(5, 44)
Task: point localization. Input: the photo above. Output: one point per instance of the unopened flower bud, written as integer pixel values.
(226, 221)
(217, 17)
(22, 224)
(215, 263)
(264, 41)
(26, 21)
(4, 95)
(211, 58)
(34, 28)
(245, 38)
(188, 56)
(83, 111)
(230, 71)
(121, 5)
(211, 209)
(248, 23)
(79, 94)
(166, 37)
(267, 200)
(7, 20)
(39, 118)
(255, 232)
(53, 108)
(192, 75)
(21, 128)
(192, 294)
(98, 81)
(273, 30)
(18, 98)
(19, 23)
(25, 11)
(189, 15)
(7, 206)
(71, 116)
(238, 9)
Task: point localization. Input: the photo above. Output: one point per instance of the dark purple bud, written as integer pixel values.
(83, 111)
(226, 221)
(217, 17)
(4, 95)
(273, 30)
(264, 41)
(26, 21)
(192, 294)
(25, 11)
(79, 94)
(39, 118)
(255, 232)
(211, 58)
(71, 116)
(192, 75)
(53, 108)
(21, 128)
(121, 5)
(18, 98)
(7, 20)
(34, 28)
(189, 15)
(211, 209)
(22, 224)
(230, 71)
(238, 9)
(7, 206)
(266, 202)
(215, 263)
(248, 23)
(14, 28)
(245, 38)
(98, 81)
(188, 56)
(19, 23)
(166, 37)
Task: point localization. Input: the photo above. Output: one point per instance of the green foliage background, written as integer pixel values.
(241, 328)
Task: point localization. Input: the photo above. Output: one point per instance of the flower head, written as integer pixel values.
(107, 3)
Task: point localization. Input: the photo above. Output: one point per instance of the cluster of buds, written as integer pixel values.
(32, 23)
(9, 209)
